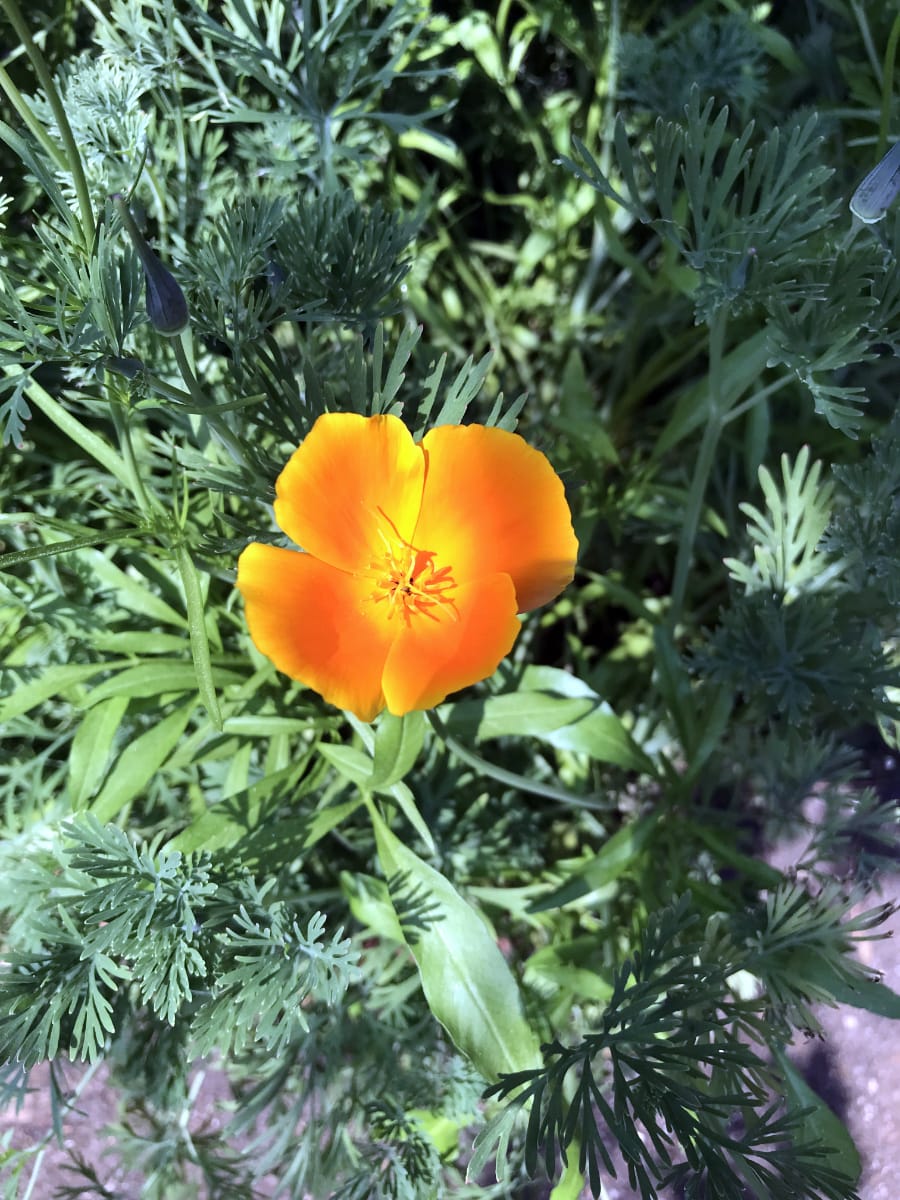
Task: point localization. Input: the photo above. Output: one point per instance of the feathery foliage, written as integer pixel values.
(310, 956)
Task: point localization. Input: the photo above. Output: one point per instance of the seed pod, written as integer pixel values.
(166, 305)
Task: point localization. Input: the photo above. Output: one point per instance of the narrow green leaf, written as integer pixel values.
(492, 1145)
(199, 640)
(398, 741)
(407, 805)
(370, 903)
(398, 791)
(820, 1124)
(133, 594)
(584, 724)
(617, 855)
(868, 994)
(572, 1182)
(50, 683)
(355, 766)
(139, 762)
(138, 643)
(54, 549)
(226, 823)
(466, 980)
(251, 726)
(91, 443)
(328, 817)
(159, 677)
(91, 748)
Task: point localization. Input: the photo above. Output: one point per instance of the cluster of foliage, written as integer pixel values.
(543, 911)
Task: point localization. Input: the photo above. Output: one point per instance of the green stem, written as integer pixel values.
(887, 87)
(757, 398)
(715, 422)
(73, 156)
(520, 782)
(866, 34)
(89, 441)
(23, 108)
(135, 482)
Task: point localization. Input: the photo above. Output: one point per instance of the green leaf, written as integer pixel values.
(199, 639)
(139, 762)
(398, 741)
(159, 677)
(233, 819)
(131, 593)
(565, 713)
(492, 1145)
(327, 818)
(53, 681)
(864, 993)
(370, 903)
(570, 965)
(617, 855)
(787, 558)
(398, 791)
(572, 1182)
(91, 748)
(820, 1124)
(355, 766)
(466, 980)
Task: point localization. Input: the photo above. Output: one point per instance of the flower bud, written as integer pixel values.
(166, 305)
(879, 189)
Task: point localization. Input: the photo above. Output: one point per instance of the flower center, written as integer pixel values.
(407, 580)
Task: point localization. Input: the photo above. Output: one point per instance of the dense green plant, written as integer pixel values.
(543, 911)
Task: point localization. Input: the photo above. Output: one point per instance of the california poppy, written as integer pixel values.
(417, 557)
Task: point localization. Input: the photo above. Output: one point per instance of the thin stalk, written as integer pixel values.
(23, 108)
(90, 442)
(715, 423)
(135, 482)
(757, 398)
(866, 35)
(73, 156)
(887, 87)
(510, 778)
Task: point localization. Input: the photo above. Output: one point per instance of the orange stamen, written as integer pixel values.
(408, 580)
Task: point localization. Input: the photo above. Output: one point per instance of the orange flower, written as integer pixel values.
(418, 557)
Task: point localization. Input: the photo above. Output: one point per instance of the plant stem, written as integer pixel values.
(887, 87)
(715, 422)
(73, 156)
(23, 108)
(90, 442)
(135, 482)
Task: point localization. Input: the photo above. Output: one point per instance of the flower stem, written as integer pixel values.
(73, 156)
(715, 423)
(135, 482)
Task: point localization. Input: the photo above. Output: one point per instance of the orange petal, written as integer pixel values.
(432, 658)
(314, 623)
(346, 469)
(493, 503)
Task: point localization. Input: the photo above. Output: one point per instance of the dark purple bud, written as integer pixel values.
(166, 305)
